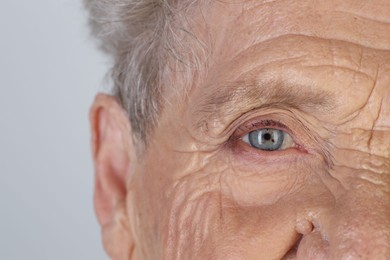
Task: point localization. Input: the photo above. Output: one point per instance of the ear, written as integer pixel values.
(113, 154)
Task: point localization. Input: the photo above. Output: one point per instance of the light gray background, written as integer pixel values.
(49, 73)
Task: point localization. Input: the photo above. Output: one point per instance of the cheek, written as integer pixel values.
(222, 209)
(176, 204)
(188, 217)
(264, 208)
(190, 225)
(264, 184)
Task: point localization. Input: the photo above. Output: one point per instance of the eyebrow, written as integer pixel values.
(230, 99)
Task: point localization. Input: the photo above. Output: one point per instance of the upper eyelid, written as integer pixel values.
(262, 124)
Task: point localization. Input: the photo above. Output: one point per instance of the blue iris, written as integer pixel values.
(267, 139)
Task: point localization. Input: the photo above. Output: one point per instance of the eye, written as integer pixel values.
(268, 139)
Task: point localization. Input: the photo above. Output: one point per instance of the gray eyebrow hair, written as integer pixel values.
(233, 98)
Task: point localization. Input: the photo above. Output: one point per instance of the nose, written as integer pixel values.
(357, 225)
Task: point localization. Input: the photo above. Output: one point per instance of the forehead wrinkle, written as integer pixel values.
(255, 22)
(231, 99)
(263, 20)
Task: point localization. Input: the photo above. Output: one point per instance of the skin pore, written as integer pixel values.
(317, 70)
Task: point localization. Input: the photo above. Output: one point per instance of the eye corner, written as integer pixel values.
(245, 138)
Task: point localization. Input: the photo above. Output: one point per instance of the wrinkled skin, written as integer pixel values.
(201, 192)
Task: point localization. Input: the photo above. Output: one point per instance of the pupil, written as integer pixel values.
(267, 136)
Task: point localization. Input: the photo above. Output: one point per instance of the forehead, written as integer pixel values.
(363, 22)
(241, 36)
(334, 51)
(228, 28)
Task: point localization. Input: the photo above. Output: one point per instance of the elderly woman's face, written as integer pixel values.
(280, 149)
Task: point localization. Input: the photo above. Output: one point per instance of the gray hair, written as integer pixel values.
(141, 36)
